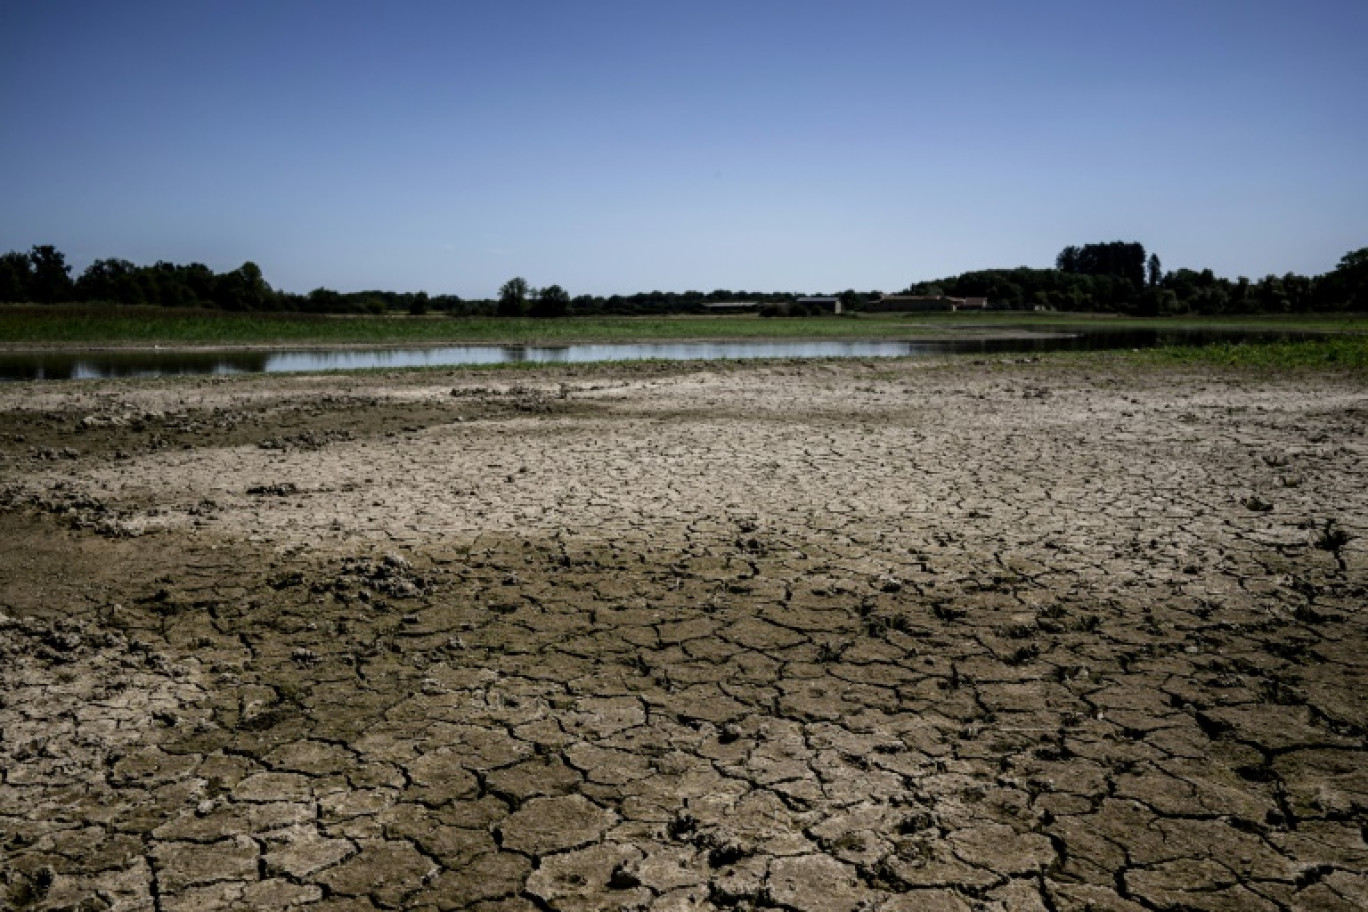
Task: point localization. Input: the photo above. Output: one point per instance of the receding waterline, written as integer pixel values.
(465, 355)
(117, 364)
(112, 364)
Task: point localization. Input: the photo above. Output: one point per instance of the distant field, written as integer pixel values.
(24, 326)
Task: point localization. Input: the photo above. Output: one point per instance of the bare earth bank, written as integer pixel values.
(878, 636)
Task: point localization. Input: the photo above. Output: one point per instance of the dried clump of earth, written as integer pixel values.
(830, 636)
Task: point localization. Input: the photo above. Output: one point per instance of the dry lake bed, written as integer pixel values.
(860, 635)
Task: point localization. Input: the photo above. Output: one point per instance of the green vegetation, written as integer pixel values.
(84, 325)
(1117, 277)
(1064, 321)
(1335, 353)
(24, 325)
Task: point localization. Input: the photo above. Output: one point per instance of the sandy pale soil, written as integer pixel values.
(874, 636)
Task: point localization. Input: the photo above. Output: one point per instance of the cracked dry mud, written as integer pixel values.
(874, 636)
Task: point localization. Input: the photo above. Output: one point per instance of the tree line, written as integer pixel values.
(42, 276)
(1117, 276)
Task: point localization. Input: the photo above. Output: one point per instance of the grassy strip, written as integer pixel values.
(1334, 353)
(1061, 320)
(69, 326)
(74, 325)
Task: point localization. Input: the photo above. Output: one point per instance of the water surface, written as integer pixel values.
(163, 363)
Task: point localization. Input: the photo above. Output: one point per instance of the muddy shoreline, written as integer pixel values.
(961, 635)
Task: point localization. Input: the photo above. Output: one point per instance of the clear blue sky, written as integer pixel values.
(632, 146)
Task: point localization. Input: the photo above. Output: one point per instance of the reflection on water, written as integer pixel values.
(100, 365)
(356, 359)
(104, 365)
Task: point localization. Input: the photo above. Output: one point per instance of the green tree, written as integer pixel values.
(552, 301)
(110, 280)
(1069, 259)
(16, 272)
(1239, 295)
(1271, 295)
(324, 300)
(1355, 261)
(513, 298)
(169, 284)
(1118, 259)
(1155, 272)
(1347, 285)
(199, 279)
(243, 289)
(50, 280)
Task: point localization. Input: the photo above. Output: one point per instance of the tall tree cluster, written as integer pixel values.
(1120, 259)
(1117, 277)
(42, 276)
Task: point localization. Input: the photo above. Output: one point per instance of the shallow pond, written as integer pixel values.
(162, 363)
